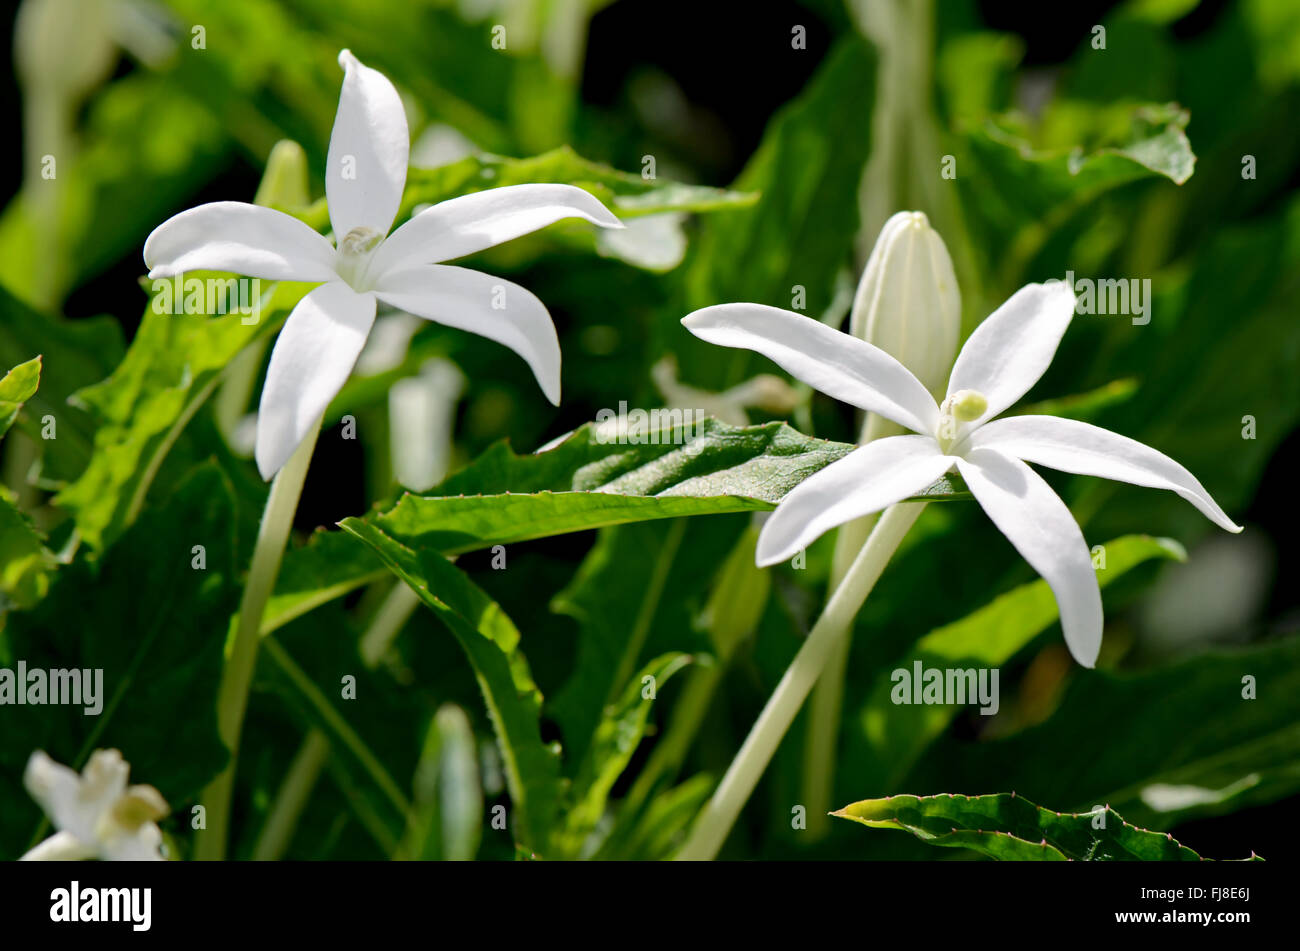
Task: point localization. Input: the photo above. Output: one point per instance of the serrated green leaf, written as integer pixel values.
(491, 642)
(585, 482)
(1010, 827)
(330, 565)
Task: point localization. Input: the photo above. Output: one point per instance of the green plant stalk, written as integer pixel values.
(716, 819)
(241, 654)
(822, 739)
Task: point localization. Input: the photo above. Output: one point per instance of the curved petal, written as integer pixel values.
(1013, 347)
(241, 238)
(369, 148)
(311, 361)
(60, 847)
(1084, 449)
(1037, 523)
(835, 363)
(483, 305)
(866, 480)
(470, 223)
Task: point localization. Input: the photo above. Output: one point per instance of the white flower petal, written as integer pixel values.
(483, 305)
(366, 168)
(867, 480)
(241, 238)
(310, 363)
(1084, 449)
(60, 847)
(143, 844)
(835, 363)
(1013, 347)
(470, 223)
(1038, 524)
(57, 790)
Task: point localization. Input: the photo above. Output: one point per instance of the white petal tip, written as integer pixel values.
(347, 60)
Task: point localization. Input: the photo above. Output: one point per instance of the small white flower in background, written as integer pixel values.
(907, 302)
(364, 179)
(1000, 361)
(97, 814)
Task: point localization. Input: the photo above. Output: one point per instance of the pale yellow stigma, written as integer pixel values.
(967, 405)
(354, 254)
(964, 406)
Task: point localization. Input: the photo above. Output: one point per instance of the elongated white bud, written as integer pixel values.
(908, 303)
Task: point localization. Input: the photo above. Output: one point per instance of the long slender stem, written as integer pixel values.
(824, 709)
(716, 819)
(237, 676)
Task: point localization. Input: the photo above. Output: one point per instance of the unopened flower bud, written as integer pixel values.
(907, 302)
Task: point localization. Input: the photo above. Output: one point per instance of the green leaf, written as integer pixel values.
(491, 642)
(986, 639)
(1009, 827)
(586, 482)
(16, 388)
(171, 368)
(621, 728)
(155, 625)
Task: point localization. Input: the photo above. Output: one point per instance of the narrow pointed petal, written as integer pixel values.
(1084, 449)
(1013, 347)
(241, 238)
(835, 363)
(1038, 524)
(368, 154)
(483, 305)
(471, 223)
(867, 480)
(311, 361)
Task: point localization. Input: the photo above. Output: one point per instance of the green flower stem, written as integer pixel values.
(824, 710)
(241, 657)
(715, 821)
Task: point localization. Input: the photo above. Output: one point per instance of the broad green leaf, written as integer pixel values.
(16, 388)
(153, 618)
(172, 367)
(585, 482)
(1200, 736)
(491, 642)
(621, 728)
(1010, 827)
(899, 731)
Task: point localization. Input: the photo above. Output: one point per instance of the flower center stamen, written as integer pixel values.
(354, 254)
(964, 406)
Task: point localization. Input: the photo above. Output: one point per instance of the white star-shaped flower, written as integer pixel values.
(97, 814)
(1000, 361)
(364, 179)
